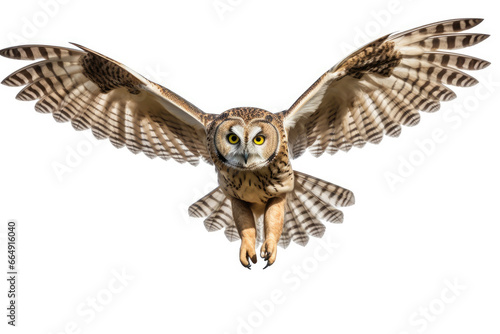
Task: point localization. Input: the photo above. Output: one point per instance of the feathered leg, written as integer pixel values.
(245, 224)
(273, 227)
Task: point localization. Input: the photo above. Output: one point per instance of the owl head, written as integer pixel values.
(245, 138)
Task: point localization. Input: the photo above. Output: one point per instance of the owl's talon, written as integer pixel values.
(247, 254)
(268, 252)
(249, 266)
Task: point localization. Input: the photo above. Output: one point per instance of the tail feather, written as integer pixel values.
(222, 217)
(231, 233)
(294, 226)
(312, 201)
(286, 238)
(216, 207)
(207, 204)
(308, 221)
(327, 192)
(318, 207)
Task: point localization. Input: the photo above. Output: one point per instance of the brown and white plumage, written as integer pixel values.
(93, 91)
(312, 199)
(382, 86)
(260, 198)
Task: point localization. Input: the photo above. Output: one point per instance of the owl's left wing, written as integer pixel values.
(96, 92)
(382, 86)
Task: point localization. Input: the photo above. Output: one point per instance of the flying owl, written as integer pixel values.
(260, 198)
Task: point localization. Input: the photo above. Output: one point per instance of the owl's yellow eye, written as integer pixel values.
(233, 139)
(259, 140)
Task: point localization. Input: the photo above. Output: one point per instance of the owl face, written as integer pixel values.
(246, 144)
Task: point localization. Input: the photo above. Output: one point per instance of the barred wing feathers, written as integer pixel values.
(96, 92)
(382, 86)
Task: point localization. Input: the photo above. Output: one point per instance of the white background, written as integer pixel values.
(397, 252)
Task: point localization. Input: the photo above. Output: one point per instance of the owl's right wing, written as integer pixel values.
(96, 92)
(382, 86)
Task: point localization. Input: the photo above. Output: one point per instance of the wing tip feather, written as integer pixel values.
(8, 82)
(7, 52)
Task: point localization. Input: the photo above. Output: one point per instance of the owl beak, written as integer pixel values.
(245, 156)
